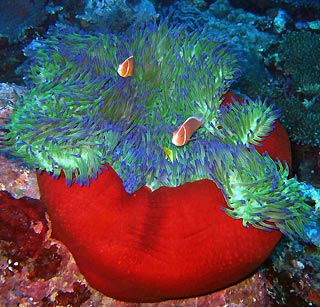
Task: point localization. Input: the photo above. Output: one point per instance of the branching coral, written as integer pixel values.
(297, 61)
(299, 55)
(80, 115)
(302, 120)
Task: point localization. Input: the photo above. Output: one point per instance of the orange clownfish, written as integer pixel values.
(125, 69)
(182, 135)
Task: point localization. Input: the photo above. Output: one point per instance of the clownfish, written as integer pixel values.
(125, 69)
(182, 135)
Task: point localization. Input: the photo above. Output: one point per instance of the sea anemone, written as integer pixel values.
(82, 121)
(79, 115)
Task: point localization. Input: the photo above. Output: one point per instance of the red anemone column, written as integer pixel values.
(152, 246)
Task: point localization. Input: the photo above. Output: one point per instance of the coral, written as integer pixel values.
(299, 55)
(22, 228)
(115, 15)
(294, 274)
(20, 22)
(109, 138)
(35, 270)
(302, 120)
(306, 163)
(298, 9)
(294, 62)
(15, 23)
(187, 13)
